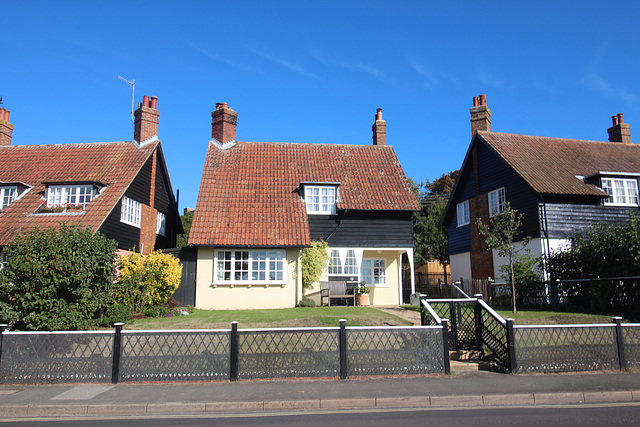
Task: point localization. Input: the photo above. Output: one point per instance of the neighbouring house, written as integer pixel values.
(121, 189)
(261, 203)
(561, 186)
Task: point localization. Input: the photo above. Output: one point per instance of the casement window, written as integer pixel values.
(7, 195)
(130, 212)
(350, 263)
(61, 195)
(621, 191)
(335, 265)
(161, 222)
(463, 214)
(249, 266)
(320, 199)
(497, 202)
(374, 272)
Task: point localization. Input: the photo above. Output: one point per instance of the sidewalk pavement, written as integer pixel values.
(468, 389)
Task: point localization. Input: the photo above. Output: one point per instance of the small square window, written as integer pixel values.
(320, 199)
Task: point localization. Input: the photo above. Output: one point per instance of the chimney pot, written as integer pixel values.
(620, 121)
(480, 115)
(614, 119)
(145, 101)
(483, 99)
(154, 102)
(379, 114)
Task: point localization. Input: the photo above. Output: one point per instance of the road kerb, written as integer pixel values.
(14, 410)
(516, 399)
(175, 408)
(464, 400)
(353, 403)
(117, 409)
(607, 396)
(403, 402)
(274, 405)
(234, 406)
(48, 410)
(558, 398)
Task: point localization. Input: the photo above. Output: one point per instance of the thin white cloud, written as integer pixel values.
(432, 78)
(285, 63)
(358, 66)
(493, 82)
(597, 84)
(226, 61)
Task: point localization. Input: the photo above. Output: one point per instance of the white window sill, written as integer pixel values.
(622, 205)
(248, 285)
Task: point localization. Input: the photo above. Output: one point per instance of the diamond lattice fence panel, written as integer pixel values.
(465, 325)
(566, 348)
(56, 357)
(175, 355)
(394, 351)
(303, 352)
(631, 340)
(494, 335)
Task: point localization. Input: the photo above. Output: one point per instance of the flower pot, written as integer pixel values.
(363, 300)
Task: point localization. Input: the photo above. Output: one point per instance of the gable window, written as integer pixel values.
(249, 266)
(621, 191)
(130, 211)
(161, 222)
(61, 195)
(374, 272)
(320, 199)
(335, 266)
(497, 202)
(463, 214)
(7, 195)
(351, 264)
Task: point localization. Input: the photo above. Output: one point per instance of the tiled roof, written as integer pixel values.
(248, 193)
(550, 165)
(112, 163)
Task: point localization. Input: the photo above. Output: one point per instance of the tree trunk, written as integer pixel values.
(513, 285)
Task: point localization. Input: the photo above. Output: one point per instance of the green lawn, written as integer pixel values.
(277, 318)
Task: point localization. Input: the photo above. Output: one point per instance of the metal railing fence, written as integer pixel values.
(205, 355)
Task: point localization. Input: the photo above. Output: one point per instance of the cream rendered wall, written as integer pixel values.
(389, 295)
(245, 296)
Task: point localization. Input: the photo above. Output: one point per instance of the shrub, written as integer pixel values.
(57, 279)
(306, 302)
(147, 281)
(314, 261)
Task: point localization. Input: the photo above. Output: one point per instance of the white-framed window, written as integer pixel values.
(7, 195)
(350, 263)
(61, 195)
(161, 222)
(497, 202)
(130, 211)
(374, 272)
(621, 191)
(463, 214)
(320, 199)
(260, 265)
(335, 265)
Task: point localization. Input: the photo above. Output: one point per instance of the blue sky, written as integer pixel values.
(316, 71)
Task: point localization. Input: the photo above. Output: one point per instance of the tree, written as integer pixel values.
(57, 279)
(314, 260)
(499, 234)
(430, 237)
(183, 239)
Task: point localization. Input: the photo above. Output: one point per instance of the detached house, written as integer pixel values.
(121, 189)
(562, 186)
(261, 203)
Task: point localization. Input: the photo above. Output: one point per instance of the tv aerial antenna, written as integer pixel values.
(131, 83)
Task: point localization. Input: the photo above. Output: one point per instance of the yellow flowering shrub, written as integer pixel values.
(147, 280)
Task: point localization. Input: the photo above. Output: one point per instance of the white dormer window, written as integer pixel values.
(7, 195)
(320, 199)
(622, 192)
(61, 195)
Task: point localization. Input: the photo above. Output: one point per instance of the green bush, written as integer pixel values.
(57, 279)
(314, 260)
(306, 302)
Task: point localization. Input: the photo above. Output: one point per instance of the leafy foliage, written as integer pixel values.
(57, 279)
(183, 239)
(499, 234)
(527, 276)
(314, 260)
(430, 237)
(147, 281)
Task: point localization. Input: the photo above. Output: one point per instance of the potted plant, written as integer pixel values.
(363, 293)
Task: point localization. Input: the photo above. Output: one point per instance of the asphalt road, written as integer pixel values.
(574, 415)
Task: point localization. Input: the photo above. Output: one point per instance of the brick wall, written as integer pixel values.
(149, 215)
(481, 261)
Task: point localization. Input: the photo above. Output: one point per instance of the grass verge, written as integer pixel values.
(276, 318)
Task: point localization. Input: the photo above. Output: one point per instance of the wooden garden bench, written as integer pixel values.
(333, 289)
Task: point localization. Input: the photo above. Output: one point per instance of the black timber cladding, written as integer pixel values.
(126, 235)
(364, 229)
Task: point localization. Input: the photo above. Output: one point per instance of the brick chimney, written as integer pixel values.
(480, 115)
(379, 129)
(145, 123)
(620, 131)
(6, 128)
(223, 123)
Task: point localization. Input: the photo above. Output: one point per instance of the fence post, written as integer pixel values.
(445, 346)
(511, 347)
(234, 350)
(620, 341)
(477, 311)
(117, 353)
(343, 349)
(454, 324)
(3, 328)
